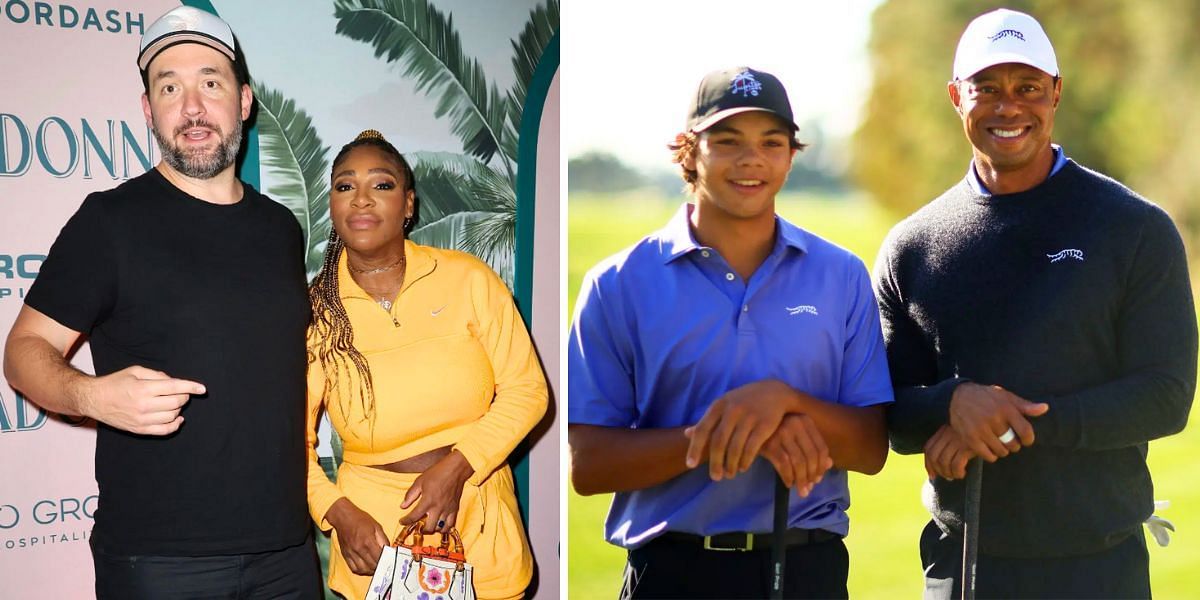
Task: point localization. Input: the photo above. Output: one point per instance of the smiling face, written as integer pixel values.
(1007, 112)
(196, 107)
(370, 200)
(741, 163)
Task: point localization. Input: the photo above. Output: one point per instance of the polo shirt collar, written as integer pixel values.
(676, 237)
(1060, 161)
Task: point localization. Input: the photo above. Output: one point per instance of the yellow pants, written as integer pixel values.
(488, 521)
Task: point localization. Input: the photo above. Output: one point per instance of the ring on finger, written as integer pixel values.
(441, 523)
(1008, 436)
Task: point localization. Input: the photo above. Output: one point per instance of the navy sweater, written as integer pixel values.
(1074, 293)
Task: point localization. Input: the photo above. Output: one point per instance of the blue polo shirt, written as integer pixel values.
(664, 328)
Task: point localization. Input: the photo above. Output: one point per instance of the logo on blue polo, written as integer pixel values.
(1005, 33)
(802, 309)
(745, 84)
(1066, 253)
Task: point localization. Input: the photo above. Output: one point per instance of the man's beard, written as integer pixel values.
(201, 163)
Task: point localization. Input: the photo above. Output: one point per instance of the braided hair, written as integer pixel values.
(331, 338)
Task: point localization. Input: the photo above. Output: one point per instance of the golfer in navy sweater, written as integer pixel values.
(1037, 315)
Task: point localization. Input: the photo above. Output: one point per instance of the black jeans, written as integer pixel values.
(675, 569)
(1122, 571)
(288, 573)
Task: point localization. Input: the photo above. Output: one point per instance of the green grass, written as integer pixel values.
(886, 514)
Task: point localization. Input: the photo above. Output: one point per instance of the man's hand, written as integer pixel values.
(798, 452)
(439, 489)
(736, 426)
(981, 414)
(360, 537)
(138, 400)
(946, 455)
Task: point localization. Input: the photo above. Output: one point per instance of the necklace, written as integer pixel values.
(398, 263)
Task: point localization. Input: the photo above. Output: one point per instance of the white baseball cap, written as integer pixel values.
(1003, 36)
(186, 24)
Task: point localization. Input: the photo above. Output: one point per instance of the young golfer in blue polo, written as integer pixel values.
(727, 336)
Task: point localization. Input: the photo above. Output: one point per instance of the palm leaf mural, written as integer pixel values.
(424, 45)
(444, 182)
(429, 50)
(455, 231)
(299, 161)
(527, 53)
(453, 180)
(475, 209)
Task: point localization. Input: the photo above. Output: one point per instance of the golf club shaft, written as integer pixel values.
(778, 551)
(974, 483)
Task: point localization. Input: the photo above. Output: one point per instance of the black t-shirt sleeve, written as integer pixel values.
(76, 285)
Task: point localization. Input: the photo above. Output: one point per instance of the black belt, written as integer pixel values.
(741, 542)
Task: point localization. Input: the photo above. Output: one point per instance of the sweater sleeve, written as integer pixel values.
(322, 493)
(521, 395)
(922, 402)
(1156, 335)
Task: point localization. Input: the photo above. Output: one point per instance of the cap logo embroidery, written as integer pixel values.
(803, 308)
(1066, 253)
(1007, 33)
(745, 84)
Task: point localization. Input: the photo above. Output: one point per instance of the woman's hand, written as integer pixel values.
(438, 489)
(360, 536)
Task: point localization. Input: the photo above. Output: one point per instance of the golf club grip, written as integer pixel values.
(974, 483)
(778, 551)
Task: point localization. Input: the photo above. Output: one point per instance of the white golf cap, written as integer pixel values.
(186, 24)
(1003, 36)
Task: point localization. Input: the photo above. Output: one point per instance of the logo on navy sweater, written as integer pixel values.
(1066, 253)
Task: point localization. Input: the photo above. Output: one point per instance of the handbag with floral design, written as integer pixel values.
(419, 572)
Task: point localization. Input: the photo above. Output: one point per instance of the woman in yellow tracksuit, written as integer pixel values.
(426, 371)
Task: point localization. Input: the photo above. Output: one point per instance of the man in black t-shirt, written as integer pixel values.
(190, 287)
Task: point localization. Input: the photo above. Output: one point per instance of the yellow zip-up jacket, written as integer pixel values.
(452, 365)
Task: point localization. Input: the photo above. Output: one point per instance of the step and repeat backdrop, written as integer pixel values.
(71, 123)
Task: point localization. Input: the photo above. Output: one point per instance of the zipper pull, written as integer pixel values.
(394, 321)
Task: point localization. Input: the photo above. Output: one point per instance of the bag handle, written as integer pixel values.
(419, 549)
(411, 529)
(458, 545)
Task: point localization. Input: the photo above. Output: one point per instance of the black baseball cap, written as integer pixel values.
(728, 92)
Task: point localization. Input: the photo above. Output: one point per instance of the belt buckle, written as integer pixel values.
(749, 545)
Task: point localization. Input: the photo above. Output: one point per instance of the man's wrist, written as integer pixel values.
(955, 393)
(794, 401)
(81, 393)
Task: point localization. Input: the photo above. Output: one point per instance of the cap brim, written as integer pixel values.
(181, 37)
(718, 116)
(1001, 58)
